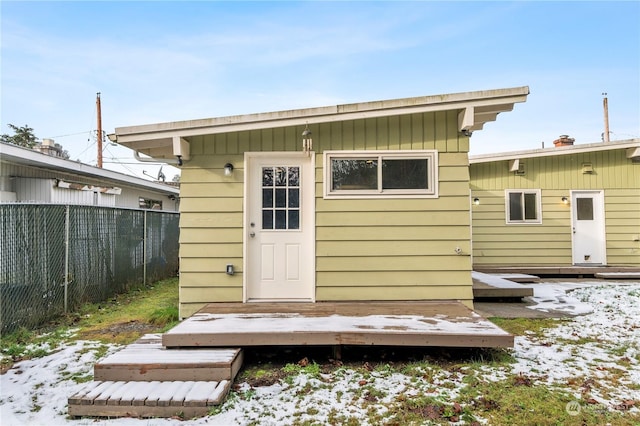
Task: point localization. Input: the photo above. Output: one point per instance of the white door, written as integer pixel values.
(279, 227)
(587, 216)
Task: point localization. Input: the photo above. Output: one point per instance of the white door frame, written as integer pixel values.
(307, 219)
(598, 207)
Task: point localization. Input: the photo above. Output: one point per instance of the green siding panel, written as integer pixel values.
(496, 243)
(380, 249)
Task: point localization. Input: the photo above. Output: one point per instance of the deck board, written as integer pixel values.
(410, 323)
(161, 399)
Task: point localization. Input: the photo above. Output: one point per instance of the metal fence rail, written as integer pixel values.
(54, 258)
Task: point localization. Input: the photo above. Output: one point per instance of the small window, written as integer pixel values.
(146, 203)
(374, 174)
(523, 206)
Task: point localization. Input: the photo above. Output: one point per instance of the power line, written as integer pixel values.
(70, 134)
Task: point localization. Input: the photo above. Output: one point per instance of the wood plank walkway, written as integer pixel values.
(408, 323)
(148, 399)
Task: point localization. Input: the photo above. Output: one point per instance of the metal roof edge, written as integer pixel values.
(9, 152)
(547, 152)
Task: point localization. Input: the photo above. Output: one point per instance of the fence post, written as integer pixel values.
(144, 249)
(66, 258)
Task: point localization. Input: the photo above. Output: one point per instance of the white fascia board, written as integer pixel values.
(29, 157)
(487, 102)
(548, 152)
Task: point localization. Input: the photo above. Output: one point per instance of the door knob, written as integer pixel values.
(252, 234)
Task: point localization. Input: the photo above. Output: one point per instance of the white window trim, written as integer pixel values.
(430, 155)
(538, 193)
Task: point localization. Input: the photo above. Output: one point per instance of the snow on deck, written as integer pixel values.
(256, 324)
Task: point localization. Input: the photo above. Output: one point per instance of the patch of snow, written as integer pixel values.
(494, 280)
(559, 297)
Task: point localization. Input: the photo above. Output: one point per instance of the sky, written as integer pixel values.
(167, 61)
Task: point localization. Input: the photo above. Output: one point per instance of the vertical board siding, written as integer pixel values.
(374, 231)
(496, 243)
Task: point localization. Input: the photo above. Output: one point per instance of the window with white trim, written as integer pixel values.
(378, 174)
(523, 206)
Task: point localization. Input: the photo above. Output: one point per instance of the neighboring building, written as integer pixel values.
(30, 176)
(49, 147)
(563, 206)
(366, 201)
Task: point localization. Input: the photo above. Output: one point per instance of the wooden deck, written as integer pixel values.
(555, 271)
(408, 323)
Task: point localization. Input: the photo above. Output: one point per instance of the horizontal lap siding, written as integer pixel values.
(496, 243)
(361, 250)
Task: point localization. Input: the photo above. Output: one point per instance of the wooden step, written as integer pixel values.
(618, 275)
(148, 399)
(152, 361)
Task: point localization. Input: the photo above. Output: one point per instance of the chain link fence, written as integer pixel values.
(54, 258)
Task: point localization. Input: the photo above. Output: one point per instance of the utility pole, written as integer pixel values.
(98, 108)
(605, 105)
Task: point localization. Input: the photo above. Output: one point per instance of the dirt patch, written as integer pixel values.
(129, 330)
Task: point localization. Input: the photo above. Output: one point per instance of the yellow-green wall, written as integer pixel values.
(393, 249)
(496, 243)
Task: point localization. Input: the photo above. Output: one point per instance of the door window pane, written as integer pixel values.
(267, 219)
(294, 198)
(281, 197)
(267, 197)
(294, 219)
(267, 176)
(404, 174)
(584, 208)
(281, 176)
(294, 176)
(281, 219)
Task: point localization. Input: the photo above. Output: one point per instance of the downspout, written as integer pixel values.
(177, 160)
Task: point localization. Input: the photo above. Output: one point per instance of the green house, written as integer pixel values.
(366, 201)
(570, 205)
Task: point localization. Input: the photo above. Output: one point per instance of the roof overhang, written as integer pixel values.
(171, 140)
(632, 147)
(28, 157)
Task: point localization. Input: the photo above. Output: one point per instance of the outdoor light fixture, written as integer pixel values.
(228, 169)
(307, 142)
(565, 200)
(476, 201)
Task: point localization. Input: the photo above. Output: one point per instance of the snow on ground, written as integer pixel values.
(598, 352)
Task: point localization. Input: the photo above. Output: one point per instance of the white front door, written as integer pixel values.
(279, 227)
(587, 216)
